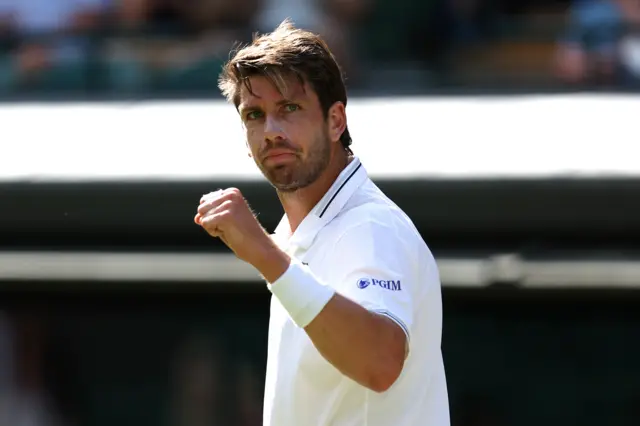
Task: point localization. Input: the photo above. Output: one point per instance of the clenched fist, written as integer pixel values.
(226, 215)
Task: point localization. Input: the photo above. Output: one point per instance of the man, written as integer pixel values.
(356, 317)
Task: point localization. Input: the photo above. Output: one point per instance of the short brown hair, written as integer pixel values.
(287, 51)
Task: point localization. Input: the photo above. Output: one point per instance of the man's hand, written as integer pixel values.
(226, 215)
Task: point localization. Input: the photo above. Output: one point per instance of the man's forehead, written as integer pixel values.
(263, 89)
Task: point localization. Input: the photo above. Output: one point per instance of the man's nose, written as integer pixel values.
(273, 130)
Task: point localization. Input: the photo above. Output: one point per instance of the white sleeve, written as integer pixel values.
(374, 267)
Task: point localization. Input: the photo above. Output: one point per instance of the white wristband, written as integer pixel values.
(301, 293)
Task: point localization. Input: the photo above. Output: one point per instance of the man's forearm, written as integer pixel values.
(367, 347)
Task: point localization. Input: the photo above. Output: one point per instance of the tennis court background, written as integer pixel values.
(126, 313)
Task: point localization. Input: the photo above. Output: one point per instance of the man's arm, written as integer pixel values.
(368, 347)
(345, 321)
(365, 346)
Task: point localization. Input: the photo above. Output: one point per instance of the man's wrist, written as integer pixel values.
(271, 262)
(301, 294)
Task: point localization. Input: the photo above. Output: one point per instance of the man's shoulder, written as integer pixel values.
(378, 233)
(370, 203)
(376, 214)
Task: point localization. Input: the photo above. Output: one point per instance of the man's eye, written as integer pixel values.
(291, 107)
(254, 115)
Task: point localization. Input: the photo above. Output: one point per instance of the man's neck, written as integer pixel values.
(297, 205)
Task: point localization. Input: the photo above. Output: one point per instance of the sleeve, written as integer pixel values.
(373, 266)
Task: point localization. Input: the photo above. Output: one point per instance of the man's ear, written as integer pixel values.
(337, 120)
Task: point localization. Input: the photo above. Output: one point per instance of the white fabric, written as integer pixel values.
(357, 241)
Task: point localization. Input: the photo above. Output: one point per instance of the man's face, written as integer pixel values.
(287, 133)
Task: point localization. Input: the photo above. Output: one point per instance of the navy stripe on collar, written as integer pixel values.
(324, 210)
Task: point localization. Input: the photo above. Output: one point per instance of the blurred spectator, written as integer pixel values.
(196, 383)
(461, 22)
(45, 48)
(630, 44)
(249, 396)
(602, 43)
(181, 44)
(24, 399)
(334, 20)
(455, 25)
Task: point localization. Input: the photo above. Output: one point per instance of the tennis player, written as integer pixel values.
(356, 312)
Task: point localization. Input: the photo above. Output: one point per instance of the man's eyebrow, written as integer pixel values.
(243, 108)
(285, 101)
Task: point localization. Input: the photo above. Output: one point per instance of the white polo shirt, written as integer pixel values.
(360, 243)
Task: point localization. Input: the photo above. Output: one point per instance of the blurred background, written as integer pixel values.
(160, 48)
(504, 129)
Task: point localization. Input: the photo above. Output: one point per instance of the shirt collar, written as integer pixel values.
(333, 201)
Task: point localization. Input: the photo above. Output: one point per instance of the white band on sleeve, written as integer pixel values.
(300, 293)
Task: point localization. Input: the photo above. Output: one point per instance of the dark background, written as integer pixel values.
(193, 354)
